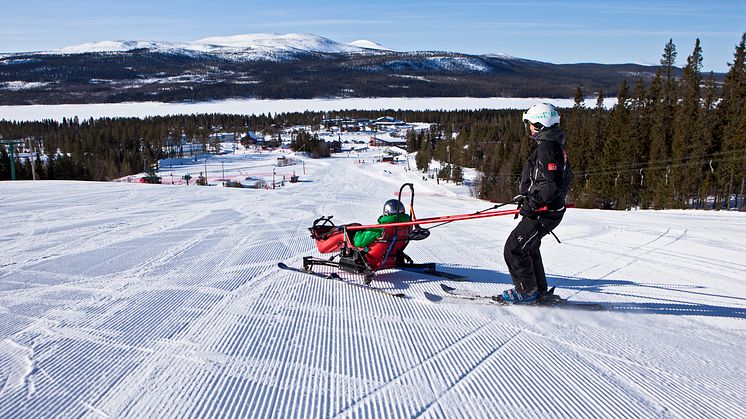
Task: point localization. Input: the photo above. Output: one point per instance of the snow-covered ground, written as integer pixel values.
(133, 300)
(237, 165)
(274, 106)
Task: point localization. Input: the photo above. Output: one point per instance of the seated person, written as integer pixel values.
(393, 212)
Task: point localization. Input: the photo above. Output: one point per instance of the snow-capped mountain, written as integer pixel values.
(364, 43)
(289, 42)
(238, 47)
(107, 46)
(276, 66)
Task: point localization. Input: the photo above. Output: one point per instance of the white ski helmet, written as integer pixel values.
(542, 115)
(393, 206)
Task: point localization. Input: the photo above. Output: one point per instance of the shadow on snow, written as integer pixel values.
(678, 307)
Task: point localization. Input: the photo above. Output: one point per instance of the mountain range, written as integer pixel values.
(273, 66)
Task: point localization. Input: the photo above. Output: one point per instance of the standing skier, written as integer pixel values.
(544, 183)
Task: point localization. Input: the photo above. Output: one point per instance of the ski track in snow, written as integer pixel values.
(124, 300)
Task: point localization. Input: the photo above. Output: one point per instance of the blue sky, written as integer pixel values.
(553, 31)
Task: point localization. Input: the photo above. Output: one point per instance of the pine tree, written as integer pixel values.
(708, 126)
(687, 144)
(461, 153)
(656, 171)
(668, 62)
(615, 160)
(445, 172)
(732, 115)
(572, 124)
(639, 142)
(424, 156)
(38, 167)
(458, 175)
(4, 164)
(663, 101)
(412, 144)
(441, 150)
(590, 177)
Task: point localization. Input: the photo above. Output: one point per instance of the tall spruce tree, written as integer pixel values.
(668, 63)
(663, 102)
(732, 111)
(687, 145)
(573, 125)
(639, 143)
(708, 125)
(4, 163)
(615, 157)
(588, 178)
(656, 184)
(425, 155)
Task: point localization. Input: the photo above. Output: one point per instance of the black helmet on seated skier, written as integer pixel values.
(541, 116)
(393, 206)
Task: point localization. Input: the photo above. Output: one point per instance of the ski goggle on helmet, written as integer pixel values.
(393, 206)
(541, 115)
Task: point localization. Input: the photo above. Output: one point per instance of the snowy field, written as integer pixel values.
(135, 300)
(274, 106)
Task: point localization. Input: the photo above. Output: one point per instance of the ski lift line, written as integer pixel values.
(662, 163)
(445, 218)
(665, 163)
(672, 160)
(637, 168)
(661, 167)
(735, 153)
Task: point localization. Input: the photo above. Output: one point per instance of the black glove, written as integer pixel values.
(519, 199)
(527, 208)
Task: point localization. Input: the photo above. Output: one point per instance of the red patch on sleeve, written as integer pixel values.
(552, 166)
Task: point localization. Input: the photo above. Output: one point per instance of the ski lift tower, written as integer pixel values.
(11, 145)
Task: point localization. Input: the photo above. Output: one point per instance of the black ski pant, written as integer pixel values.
(522, 251)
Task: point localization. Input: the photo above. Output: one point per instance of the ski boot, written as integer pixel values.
(513, 296)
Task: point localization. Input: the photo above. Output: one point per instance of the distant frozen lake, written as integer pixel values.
(256, 106)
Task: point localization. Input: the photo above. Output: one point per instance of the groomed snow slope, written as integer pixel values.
(130, 300)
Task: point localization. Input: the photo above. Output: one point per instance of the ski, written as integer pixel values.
(336, 277)
(549, 300)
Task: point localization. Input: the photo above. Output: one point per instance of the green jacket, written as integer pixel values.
(365, 237)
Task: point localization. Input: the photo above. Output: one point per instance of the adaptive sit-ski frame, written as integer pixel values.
(384, 253)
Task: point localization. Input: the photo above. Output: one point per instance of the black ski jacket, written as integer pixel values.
(543, 180)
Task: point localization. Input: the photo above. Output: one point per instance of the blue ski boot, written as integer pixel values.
(513, 296)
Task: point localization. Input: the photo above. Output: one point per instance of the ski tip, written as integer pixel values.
(446, 288)
(282, 265)
(433, 297)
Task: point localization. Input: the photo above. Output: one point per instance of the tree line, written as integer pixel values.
(677, 140)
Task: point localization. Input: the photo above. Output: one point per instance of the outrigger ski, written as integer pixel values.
(338, 278)
(549, 299)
